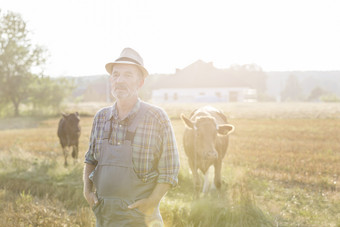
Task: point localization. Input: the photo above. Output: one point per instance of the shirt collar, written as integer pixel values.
(114, 111)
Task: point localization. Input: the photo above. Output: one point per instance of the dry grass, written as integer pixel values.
(282, 168)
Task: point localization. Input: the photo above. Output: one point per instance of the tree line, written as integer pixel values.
(22, 80)
(25, 87)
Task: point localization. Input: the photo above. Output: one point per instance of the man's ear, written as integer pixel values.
(141, 83)
(187, 121)
(225, 129)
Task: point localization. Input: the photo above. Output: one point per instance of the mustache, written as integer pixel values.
(120, 86)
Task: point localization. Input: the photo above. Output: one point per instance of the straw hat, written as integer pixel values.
(128, 56)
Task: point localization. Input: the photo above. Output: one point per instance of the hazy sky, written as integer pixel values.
(83, 35)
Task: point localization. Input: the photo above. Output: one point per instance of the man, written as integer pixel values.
(132, 159)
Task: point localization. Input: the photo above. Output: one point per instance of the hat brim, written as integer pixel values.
(110, 65)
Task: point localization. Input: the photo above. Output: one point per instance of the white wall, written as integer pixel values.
(204, 95)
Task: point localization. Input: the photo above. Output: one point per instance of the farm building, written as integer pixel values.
(202, 82)
(217, 94)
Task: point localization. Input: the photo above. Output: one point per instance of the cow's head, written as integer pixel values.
(205, 131)
(72, 122)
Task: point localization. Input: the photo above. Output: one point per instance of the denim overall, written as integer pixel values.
(118, 186)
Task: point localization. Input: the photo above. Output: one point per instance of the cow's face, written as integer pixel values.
(205, 132)
(72, 122)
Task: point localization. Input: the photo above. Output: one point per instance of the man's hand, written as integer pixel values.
(89, 195)
(146, 206)
(91, 198)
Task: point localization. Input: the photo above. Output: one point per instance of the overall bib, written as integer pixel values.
(118, 186)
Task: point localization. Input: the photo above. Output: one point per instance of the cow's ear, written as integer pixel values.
(187, 121)
(225, 129)
(64, 115)
(77, 113)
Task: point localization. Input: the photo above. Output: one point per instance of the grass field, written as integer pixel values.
(282, 169)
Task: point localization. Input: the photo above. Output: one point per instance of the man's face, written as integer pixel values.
(125, 81)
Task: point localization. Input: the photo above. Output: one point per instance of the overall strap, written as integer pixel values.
(108, 115)
(110, 133)
(130, 134)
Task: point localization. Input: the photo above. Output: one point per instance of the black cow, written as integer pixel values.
(69, 133)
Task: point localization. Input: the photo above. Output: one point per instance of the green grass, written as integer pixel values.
(38, 185)
(279, 171)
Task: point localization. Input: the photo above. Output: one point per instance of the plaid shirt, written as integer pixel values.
(154, 148)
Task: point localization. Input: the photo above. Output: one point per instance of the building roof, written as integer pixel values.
(199, 74)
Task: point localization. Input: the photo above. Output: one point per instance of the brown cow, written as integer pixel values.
(69, 133)
(205, 141)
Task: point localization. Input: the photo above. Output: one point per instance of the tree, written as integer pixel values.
(316, 93)
(18, 57)
(49, 93)
(292, 90)
(251, 74)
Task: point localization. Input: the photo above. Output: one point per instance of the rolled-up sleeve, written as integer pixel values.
(169, 164)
